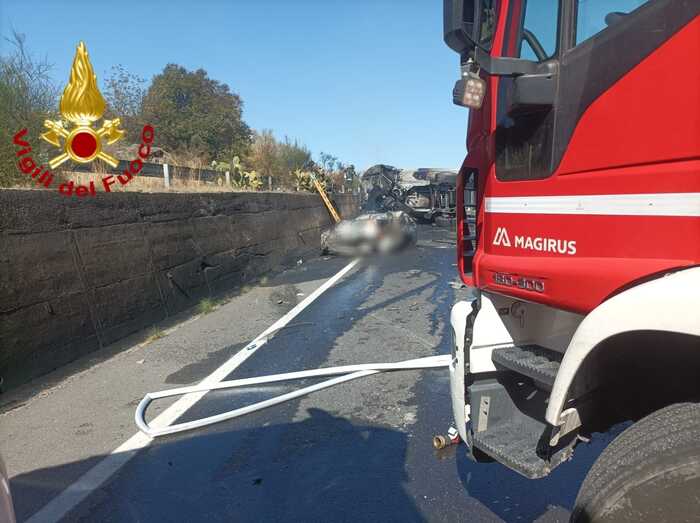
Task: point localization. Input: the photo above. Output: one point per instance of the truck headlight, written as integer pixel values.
(469, 91)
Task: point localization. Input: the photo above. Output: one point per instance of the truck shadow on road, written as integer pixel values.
(323, 468)
(515, 498)
(281, 464)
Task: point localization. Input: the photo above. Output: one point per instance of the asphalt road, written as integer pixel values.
(358, 452)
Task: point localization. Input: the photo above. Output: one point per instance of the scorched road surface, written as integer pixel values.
(358, 452)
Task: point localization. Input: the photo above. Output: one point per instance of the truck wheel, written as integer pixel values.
(650, 472)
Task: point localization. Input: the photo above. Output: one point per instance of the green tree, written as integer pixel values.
(192, 112)
(328, 162)
(27, 98)
(291, 157)
(124, 93)
(263, 154)
(278, 160)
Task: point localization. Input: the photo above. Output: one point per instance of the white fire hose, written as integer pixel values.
(346, 372)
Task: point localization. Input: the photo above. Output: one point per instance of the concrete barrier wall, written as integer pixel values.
(79, 274)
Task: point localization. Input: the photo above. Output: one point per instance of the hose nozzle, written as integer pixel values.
(452, 438)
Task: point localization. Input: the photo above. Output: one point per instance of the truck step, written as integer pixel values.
(508, 424)
(515, 445)
(523, 447)
(532, 361)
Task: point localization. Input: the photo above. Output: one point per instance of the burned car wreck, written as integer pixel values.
(371, 233)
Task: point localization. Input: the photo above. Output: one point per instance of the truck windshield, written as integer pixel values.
(487, 23)
(538, 40)
(592, 16)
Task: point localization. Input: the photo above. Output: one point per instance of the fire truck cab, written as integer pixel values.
(579, 227)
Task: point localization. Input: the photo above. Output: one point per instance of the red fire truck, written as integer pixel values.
(579, 227)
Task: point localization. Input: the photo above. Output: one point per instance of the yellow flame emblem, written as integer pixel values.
(82, 104)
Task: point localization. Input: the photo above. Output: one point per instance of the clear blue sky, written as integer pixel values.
(369, 81)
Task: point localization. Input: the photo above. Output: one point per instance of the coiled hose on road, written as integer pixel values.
(344, 373)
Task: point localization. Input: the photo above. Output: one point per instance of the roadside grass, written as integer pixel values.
(156, 334)
(207, 305)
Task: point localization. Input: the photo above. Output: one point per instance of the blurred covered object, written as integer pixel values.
(376, 232)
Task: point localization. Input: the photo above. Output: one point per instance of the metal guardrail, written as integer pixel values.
(169, 172)
(162, 170)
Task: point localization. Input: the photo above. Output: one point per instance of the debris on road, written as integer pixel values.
(452, 438)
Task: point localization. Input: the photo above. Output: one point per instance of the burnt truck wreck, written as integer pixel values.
(426, 194)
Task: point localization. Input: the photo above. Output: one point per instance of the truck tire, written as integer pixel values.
(650, 472)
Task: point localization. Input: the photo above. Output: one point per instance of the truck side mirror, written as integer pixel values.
(460, 24)
(504, 66)
(531, 84)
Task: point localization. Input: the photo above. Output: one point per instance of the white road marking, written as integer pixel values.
(59, 506)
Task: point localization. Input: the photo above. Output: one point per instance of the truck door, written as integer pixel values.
(589, 150)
